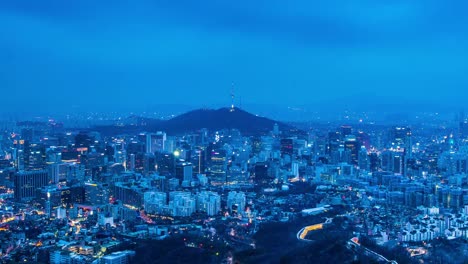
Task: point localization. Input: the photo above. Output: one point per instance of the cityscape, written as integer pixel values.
(111, 193)
(233, 132)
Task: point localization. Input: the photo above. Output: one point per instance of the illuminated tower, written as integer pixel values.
(48, 205)
(232, 98)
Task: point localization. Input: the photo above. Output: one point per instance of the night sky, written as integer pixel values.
(59, 55)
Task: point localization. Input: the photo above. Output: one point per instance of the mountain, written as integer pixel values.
(223, 118)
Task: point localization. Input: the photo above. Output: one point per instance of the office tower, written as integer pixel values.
(334, 142)
(96, 193)
(34, 156)
(401, 137)
(287, 147)
(129, 194)
(363, 139)
(374, 162)
(131, 162)
(27, 182)
(393, 161)
(53, 155)
(363, 159)
(149, 163)
(199, 160)
(58, 172)
(218, 167)
(184, 172)
(262, 176)
(19, 159)
(353, 146)
(55, 197)
(77, 194)
(155, 142)
(76, 174)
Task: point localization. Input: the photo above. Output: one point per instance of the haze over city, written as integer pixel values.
(61, 57)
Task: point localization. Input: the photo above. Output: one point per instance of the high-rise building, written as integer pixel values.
(363, 159)
(27, 182)
(165, 163)
(184, 172)
(393, 161)
(58, 172)
(218, 167)
(129, 194)
(287, 146)
(334, 142)
(401, 137)
(352, 145)
(34, 156)
(236, 202)
(209, 202)
(149, 164)
(182, 203)
(155, 142)
(76, 174)
(262, 176)
(463, 129)
(96, 193)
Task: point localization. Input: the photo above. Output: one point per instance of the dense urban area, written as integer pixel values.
(227, 186)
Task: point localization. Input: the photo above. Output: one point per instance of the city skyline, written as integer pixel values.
(60, 57)
(233, 132)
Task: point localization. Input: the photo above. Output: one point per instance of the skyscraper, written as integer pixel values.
(27, 182)
(155, 142)
(218, 167)
(287, 146)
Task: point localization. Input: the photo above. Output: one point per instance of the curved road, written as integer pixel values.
(355, 242)
(302, 234)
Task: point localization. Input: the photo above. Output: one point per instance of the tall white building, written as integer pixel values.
(209, 202)
(182, 203)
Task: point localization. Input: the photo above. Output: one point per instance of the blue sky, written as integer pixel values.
(62, 55)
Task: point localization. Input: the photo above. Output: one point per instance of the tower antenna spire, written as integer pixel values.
(232, 98)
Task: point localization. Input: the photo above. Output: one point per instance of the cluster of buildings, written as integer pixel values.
(101, 187)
